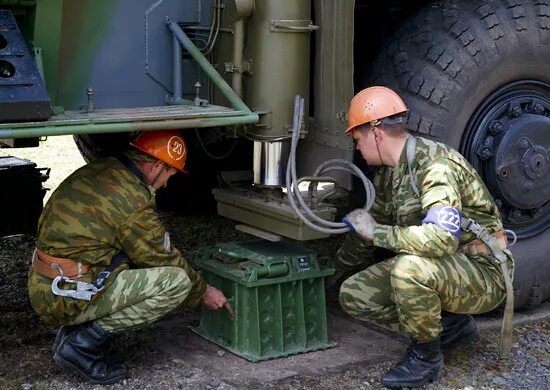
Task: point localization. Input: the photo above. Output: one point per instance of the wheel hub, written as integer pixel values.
(508, 143)
(521, 162)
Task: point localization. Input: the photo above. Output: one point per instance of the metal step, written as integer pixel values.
(129, 119)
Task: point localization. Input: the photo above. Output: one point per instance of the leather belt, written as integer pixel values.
(50, 266)
(477, 247)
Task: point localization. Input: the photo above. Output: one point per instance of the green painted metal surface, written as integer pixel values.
(48, 37)
(207, 67)
(277, 292)
(69, 61)
(269, 213)
(135, 119)
(71, 33)
(281, 64)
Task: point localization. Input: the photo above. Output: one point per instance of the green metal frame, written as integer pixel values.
(95, 123)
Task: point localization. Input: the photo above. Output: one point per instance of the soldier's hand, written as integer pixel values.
(215, 300)
(361, 222)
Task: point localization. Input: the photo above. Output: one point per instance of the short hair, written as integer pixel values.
(395, 124)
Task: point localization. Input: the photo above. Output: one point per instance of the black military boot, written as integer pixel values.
(83, 352)
(62, 332)
(422, 364)
(458, 330)
(112, 354)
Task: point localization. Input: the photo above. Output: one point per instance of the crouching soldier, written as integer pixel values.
(104, 262)
(443, 230)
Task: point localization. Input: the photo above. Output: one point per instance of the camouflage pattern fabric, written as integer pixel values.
(137, 298)
(99, 210)
(427, 274)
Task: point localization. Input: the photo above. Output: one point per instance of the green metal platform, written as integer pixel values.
(129, 119)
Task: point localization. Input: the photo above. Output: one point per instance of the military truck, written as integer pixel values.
(474, 73)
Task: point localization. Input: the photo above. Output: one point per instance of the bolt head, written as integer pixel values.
(515, 110)
(516, 214)
(486, 154)
(523, 144)
(538, 109)
(496, 127)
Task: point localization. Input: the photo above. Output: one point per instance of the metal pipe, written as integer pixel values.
(270, 163)
(278, 26)
(238, 49)
(177, 75)
(64, 128)
(278, 77)
(207, 67)
(203, 28)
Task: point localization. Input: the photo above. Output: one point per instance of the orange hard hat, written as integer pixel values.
(373, 104)
(165, 145)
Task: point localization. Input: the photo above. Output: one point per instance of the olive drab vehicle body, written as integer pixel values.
(475, 75)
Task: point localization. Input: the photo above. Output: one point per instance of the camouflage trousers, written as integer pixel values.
(137, 297)
(407, 293)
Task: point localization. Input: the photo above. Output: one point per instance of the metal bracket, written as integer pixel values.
(292, 26)
(245, 69)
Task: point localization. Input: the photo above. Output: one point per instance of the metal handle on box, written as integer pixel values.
(272, 270)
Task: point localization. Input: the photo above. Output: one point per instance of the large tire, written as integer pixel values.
(94, 146)
(476, 75)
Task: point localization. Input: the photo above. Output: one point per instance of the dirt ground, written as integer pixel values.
(169, 355)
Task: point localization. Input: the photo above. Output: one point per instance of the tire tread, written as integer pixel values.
(448, 57)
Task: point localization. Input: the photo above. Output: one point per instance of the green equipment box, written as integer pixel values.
(278, 295)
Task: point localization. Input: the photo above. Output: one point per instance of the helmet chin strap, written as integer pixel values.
(377, 148)
(157, 176)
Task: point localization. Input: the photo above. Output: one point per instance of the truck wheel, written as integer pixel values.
(93, 146)
(476, 75)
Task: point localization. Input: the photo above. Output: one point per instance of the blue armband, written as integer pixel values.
(446, 218)
(350, 225)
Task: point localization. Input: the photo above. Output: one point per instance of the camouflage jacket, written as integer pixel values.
(99, 210)
(444, 178)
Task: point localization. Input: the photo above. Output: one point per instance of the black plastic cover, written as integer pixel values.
(23, 95)
(21, 195)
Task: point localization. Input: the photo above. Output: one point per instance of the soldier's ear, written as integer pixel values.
(377, 135)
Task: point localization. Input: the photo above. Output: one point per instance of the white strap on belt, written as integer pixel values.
(481, 232)
(470, 225)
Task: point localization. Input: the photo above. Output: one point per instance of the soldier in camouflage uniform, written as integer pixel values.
(437, 273)
(100, 228)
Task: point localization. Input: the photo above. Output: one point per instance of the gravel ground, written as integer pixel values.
(25, 356)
